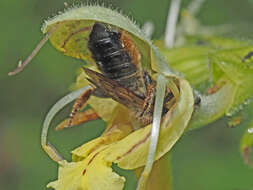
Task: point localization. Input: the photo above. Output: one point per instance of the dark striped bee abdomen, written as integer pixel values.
(112, 59)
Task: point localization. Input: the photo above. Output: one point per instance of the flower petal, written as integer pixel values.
(120, 145)
(92, 173)
(131, 152)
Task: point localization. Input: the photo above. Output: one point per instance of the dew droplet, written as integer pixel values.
(250, 130)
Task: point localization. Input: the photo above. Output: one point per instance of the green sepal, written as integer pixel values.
(75, 24)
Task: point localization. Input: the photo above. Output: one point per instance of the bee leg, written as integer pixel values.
(150, 95)
(78, 105)
(149, 100)
(79, 118)
(158, 108)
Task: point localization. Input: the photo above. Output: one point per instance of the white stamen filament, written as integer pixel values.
(50, 115)
(160, 93)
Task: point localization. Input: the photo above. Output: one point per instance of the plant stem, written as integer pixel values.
(172, 23)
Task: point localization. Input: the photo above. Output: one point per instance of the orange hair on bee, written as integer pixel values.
(131, 47)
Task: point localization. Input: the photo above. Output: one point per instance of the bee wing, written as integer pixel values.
(114, 90)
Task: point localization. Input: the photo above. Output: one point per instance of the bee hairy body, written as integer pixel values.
(113, 59)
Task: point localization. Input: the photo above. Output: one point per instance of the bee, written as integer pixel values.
(121, 76)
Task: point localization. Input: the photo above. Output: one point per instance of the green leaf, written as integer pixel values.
(234, 66)
(225, 64)
(217, 42)
(232, 76)
(191, 61)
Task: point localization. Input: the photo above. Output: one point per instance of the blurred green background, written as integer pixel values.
(205, 159)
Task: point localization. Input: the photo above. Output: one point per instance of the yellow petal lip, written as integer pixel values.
(121, 145)
(83, 175)
(131, 151)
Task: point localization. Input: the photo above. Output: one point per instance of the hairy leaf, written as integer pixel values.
(73, 28)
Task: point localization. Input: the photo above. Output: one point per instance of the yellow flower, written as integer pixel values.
(120, 144)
